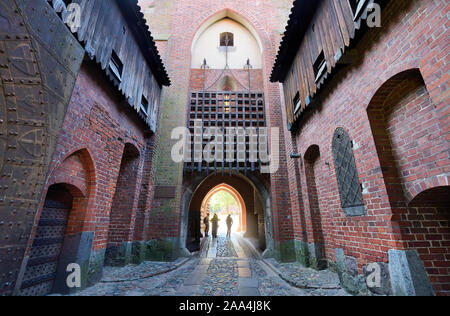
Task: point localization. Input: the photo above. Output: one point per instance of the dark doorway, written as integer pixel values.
(312, 163)
(121, 225)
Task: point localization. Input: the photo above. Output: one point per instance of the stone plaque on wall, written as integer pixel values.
(165, 192)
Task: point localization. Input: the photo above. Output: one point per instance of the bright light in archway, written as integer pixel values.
(223, 204)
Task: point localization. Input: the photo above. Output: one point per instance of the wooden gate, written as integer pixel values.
(41, 268)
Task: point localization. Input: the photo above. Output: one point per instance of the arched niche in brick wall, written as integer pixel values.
(123, 209)
(246, 43)
(406, 129)
(227, 83)
(316, 238)
(412, 153)
(77, 174)
(426, 229)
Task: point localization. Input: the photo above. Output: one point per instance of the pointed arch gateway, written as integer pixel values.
(253, 199)
(227, 92)
(237, 197)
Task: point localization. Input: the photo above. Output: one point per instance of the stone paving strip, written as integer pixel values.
(225, 248)
(306, 278)
(165, 284)
(142, 271)
(229, 268)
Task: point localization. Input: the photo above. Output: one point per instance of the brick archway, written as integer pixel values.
(235, 194)
(397, 113)
(315, 233)
(258, 226)
(123, 208)
(413, 161)
(70, 190)
(77, 172)
(426, 229)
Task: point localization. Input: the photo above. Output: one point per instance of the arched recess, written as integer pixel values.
(233, 51)
(406, 131)
(226, 13)
(77, 172)
(426, 229)
(235, 194)
(123, 209)
(45, 270)
(251, 191)
(413, 158)
(65, 221)
(317, 242)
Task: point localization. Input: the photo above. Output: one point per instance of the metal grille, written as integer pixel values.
(220, 111)
(347, 175)
(43, 262)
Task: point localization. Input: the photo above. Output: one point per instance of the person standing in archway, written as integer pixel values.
(229, 225)
(215, 225)
(206, 222)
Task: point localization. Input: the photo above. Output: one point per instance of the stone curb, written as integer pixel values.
(177, 266)
(281, 275)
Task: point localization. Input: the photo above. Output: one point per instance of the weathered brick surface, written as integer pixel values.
(88, 158)
(392, 101)
(400, 128)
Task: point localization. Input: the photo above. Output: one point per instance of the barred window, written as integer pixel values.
(227, 39)
(347, 175)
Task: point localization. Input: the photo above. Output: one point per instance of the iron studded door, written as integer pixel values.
(41, 267)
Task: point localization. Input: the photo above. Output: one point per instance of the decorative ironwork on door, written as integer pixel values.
(347, 174)
(42, 266)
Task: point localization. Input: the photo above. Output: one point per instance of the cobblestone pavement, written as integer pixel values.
(227, 268)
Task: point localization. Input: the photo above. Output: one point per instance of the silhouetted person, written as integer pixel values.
(215, 225)
(229, 224)
(206, 222)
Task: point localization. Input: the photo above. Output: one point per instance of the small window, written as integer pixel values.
(297, 103)
(320, 66)
(227, 39)
(144, 105)
(116, 66)
(357, 7)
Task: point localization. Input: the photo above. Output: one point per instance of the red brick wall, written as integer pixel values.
(141, 231)
(240, 77)
(398, 155)
(425, 228)
(313, 171)
(123, 209)
(89, 151)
